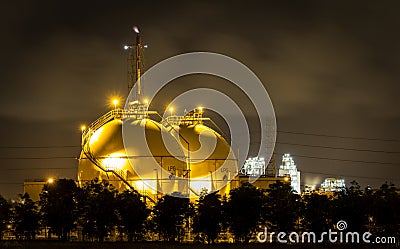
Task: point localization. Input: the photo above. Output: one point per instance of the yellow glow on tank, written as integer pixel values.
(139, 185)
(115, 161)
(201, 183)
(96, 135)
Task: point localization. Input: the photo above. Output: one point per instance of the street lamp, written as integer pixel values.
(115, 102)
(50, 180)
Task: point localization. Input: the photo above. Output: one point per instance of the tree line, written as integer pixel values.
(97, 211)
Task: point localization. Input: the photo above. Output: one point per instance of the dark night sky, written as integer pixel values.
(330, 67)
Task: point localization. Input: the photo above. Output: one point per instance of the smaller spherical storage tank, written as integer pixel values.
(156, 156)
(141, 160)
(213, 163)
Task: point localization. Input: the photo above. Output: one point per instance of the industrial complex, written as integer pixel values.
(178, 155)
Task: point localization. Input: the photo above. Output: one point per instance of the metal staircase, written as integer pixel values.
(92, 128)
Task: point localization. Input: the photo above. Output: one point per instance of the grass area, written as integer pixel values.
(160, 245)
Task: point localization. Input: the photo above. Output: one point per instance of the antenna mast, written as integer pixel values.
(138, 61)
(135, 64)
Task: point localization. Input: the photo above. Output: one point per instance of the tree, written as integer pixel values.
(350, 205)
(208, 217)
(386, 210)
(170, 215)
(97, 209)
(25, 217)
(318, 213)
(243, 210)
(59, 207)
(4, 215)
(283, 207)
(132, 213)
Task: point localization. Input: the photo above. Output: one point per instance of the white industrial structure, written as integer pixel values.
(332, 185)
(254, 166)
(288, 168)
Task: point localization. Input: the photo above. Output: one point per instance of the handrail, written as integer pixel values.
(86, 134)
(96, 162)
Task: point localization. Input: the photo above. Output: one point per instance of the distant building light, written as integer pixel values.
(254, 166)
(333, 185)
(289, 169)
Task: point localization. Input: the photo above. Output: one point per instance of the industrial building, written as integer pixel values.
(146, 162)
(332, 184)
(134, 147)
(289, 168)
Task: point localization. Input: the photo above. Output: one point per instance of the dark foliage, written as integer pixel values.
(25, 218)
(208, 217)
(132, 213)
(5, 211)
(244, 210)
(282, 207)
(59, 207)
(170, 217)
(96, 207)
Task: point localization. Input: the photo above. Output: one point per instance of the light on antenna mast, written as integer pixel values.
(136, 29)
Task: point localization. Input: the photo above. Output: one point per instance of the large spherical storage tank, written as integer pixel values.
(106, 157)
(143, 154)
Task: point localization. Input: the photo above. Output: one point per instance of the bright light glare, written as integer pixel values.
(140, 185)
(136, 29)
(146, 101)
(115, 102)
(115, 161)
(83, 128)
(171, 110)
(50, 180)
(126, 47)
(200, 108)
